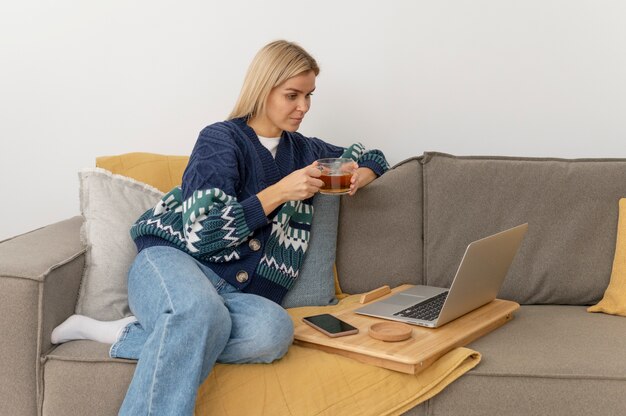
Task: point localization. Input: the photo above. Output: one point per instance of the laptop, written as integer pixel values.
(476, 283)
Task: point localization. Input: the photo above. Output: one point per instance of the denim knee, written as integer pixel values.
(205, 315)
(278, 336)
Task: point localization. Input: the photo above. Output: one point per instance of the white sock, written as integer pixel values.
(82, 327)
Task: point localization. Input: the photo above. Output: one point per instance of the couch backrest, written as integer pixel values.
(417, 219)
(380, 231)
(413, 224)
(571, 207)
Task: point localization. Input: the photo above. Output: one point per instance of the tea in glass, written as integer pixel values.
(336, 175)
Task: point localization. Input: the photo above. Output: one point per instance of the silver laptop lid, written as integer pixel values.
(481, 273)
(477, 281)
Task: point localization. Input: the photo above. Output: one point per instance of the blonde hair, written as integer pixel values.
(274, 64)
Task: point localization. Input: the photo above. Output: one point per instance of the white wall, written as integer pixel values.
(80, 79)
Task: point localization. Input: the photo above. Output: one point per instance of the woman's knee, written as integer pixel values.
(204, 312)
(155, 270)
(274, 341)
(164, 280)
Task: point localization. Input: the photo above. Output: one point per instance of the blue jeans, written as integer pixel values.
(189, 318)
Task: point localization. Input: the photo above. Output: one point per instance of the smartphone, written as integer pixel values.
(330, 325)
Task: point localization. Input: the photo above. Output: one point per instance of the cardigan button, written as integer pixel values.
(254, 244)
(242, 276)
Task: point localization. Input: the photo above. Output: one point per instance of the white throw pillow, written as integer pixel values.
(110, 204)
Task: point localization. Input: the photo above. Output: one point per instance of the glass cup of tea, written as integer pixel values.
(336, 175)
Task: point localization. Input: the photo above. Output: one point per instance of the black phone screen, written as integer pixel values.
(329, 323)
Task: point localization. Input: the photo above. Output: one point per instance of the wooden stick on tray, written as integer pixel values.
(374, 294)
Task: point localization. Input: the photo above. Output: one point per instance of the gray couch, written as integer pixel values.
(410, 226)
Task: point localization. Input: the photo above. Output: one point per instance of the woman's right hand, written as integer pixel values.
(301, 184)
(298, 185)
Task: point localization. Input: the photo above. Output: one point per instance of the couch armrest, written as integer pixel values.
(40, 274)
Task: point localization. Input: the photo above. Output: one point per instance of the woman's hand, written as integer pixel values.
(301, 184)
(360, 178)
(298, 185)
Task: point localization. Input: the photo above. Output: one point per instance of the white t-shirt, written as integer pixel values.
(270, 143)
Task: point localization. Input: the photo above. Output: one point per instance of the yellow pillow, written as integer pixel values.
(161, 171)
(614, 300)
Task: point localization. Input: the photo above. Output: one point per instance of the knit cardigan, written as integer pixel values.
(216, 217)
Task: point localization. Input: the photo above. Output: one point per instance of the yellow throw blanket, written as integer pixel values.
(309, 382)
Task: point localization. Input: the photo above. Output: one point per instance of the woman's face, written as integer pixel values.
(286, 105)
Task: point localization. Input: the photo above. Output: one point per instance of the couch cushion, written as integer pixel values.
(380, 231)
(570, 205)
(315, 285)
(550, 359)
(81, 379)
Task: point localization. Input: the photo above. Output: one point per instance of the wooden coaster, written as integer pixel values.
(390, 331)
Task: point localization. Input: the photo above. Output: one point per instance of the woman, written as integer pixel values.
(217, 255)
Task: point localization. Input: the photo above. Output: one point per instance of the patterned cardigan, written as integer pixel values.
(217, 219)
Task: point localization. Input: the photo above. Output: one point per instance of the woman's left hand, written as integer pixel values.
(360, 178)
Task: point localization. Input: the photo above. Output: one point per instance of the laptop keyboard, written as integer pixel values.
(427, 310)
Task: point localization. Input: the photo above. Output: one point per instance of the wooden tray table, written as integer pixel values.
(413, 355)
